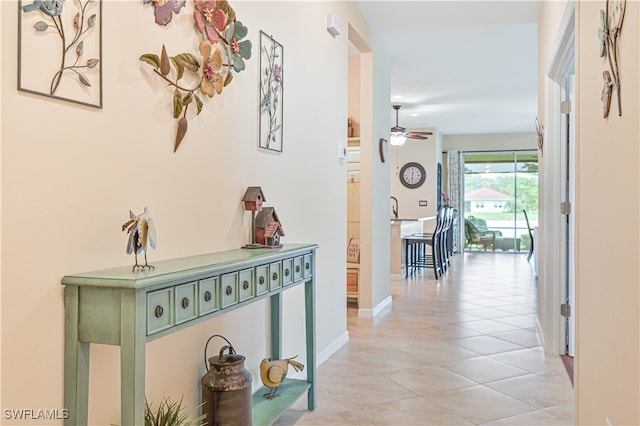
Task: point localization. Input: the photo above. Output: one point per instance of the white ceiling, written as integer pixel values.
(465, 66)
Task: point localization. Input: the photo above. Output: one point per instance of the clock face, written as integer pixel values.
(412, 175)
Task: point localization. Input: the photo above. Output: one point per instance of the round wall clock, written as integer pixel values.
(412, 175)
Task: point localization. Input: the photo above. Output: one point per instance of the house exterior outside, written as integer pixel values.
(486, 200)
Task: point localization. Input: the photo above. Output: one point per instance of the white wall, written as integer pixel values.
(607, 374)
(427, 153)
(70, 174)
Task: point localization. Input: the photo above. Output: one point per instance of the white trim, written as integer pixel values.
(370, 313)
(396, 276)
(552, 246)
(333, 347)
(563, 51)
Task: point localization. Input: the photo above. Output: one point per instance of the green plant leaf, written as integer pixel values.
(189, 61)
(179, 68)
(228, 79)
(92, 20)
(186, 100)
(84, 80)
(80, 48)
(177, 103)
(41, 26)
(151, 59)
(198, 103)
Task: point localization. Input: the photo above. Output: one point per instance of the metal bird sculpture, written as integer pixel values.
(273, 372)
(142, 232)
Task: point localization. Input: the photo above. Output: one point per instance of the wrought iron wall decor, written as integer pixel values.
(74, 30)
(271, 90)
(611, 20)
(221, 52)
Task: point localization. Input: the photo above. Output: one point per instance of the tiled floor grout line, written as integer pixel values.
(466, 350)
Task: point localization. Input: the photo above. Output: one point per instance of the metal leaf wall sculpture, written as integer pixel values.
(611, 20)
(221, 53)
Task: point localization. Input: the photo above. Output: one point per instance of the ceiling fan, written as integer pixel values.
(399, 134)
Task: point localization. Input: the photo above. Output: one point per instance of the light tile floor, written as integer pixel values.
(456, 351)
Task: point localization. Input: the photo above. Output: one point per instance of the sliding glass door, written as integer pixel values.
(498, 188)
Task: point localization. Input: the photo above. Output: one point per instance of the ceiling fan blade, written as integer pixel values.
(419, 135)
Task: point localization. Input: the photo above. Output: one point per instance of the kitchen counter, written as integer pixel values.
(400, 228)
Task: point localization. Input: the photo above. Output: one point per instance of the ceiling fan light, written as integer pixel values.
(397, 138)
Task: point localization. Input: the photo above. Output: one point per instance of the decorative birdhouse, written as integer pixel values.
(253, 198)
(268, 228)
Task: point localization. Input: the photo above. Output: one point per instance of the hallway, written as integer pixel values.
(457, 351)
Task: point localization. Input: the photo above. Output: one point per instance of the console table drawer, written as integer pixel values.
(307, 266)
(185, 302)
(159, 309)
(287, 271)
(208, 295)
(229, 288)
(297, 268)
(275, 276)
(262, 279)
(246, 287)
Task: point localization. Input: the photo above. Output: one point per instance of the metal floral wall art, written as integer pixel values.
(71, 30)
(271, 59)
(221, 52)
(163, 10)
(611, 20)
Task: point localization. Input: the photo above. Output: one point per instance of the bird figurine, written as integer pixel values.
(142, 232)
(273, 372)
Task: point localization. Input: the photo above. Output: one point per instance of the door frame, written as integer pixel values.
(552, 248)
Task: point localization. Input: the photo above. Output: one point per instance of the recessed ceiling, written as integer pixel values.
(466, 67)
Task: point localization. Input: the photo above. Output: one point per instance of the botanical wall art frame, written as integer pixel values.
(73, 28)
(271, 91)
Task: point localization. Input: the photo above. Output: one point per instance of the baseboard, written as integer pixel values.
(370, 313)
(332, 349)
(397, 276)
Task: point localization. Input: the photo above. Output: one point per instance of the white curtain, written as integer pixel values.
(455, 174)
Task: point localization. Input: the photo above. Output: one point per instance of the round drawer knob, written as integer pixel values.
(185, 302)
(207, 296)
(286, 272)
(159, 311)
(307, 266)
(297, 268)
(261, 280)
(274, 276)
(228, 290)
(245, 284)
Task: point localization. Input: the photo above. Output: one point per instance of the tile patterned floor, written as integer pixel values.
(457, 351)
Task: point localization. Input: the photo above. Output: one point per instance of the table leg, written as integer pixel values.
(132, 357)
(276, 326)
(310, 315)
(76, 363)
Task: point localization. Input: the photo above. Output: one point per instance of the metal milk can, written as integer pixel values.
(226, 388)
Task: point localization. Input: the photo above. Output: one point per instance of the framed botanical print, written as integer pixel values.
(60, 50)
(271, 91)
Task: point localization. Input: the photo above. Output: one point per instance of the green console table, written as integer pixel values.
(125, 308)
